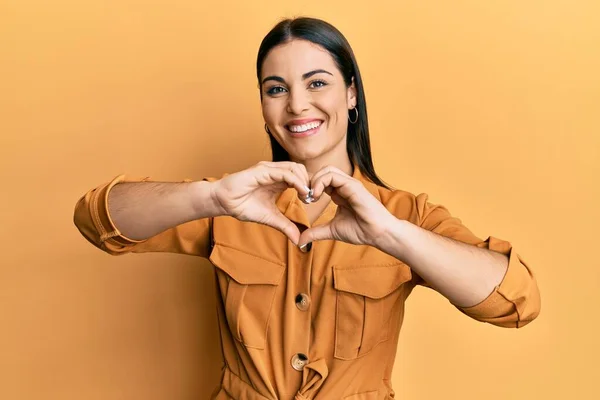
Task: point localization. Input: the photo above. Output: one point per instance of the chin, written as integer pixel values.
(303, 154)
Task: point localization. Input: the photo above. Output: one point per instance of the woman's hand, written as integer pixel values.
(250, 195)
(360, 217)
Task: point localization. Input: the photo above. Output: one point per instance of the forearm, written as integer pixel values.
(140, 210)
(463, 273)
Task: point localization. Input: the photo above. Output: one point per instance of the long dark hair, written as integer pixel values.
(327, 36)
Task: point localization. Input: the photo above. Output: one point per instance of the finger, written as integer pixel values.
(300, 171)
(304, 173)
(313, 197)
(277, 164)
(319, 232)
(287, 227)
(297, 168)
(341, 183)
(273, 175)
(320, 173)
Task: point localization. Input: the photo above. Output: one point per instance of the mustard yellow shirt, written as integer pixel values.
(318, 324)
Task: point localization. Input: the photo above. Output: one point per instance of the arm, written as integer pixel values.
(138, 215)
(486, 280)
(464, 274)
(140, 210)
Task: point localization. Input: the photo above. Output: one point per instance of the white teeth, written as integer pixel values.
(305, 127)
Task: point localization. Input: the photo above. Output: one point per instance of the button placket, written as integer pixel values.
(306, 247)
(299, 360)
(302, 301)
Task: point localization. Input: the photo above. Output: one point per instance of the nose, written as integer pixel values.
(298, 101)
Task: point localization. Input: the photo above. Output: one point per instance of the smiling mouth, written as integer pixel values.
(304, 128)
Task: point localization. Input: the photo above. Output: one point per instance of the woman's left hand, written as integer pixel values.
(360, 217)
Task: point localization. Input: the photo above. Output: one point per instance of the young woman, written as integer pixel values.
(314, 254)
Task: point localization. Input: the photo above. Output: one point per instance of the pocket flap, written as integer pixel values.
(374, 281)
(246, 268)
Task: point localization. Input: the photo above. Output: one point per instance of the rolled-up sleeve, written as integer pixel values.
(92, 219)
(515, 301)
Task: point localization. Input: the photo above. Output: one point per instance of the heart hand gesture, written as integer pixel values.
(360, 217)
(250, 195)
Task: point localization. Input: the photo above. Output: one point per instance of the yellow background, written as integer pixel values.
(490, 107)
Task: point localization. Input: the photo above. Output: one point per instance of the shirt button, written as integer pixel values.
(299, 361)
(306, 248)
(302, 301)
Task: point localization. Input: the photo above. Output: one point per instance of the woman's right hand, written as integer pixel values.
(250, 195)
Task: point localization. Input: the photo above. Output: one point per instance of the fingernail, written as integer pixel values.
(307, 189)
(309, 197)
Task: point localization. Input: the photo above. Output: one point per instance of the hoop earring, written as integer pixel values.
(356, 119)
(267, 129)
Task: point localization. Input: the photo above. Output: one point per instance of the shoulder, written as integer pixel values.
(406, 205)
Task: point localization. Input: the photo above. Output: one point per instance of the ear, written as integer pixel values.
(351, 98)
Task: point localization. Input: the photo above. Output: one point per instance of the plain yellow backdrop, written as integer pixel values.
(490, 107)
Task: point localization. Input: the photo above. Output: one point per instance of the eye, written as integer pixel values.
(275, 90)
(317, 84)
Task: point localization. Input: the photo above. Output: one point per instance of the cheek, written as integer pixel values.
(269, 111)
(334, 105)
(336, 111)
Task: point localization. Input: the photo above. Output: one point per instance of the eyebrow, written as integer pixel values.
(304, 76)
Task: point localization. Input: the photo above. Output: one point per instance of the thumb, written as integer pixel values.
(321, 232)
(287, 227)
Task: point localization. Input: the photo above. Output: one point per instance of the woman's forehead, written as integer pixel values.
(292, 59)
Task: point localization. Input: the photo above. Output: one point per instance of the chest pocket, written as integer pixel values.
(366, 297)
(247, 284)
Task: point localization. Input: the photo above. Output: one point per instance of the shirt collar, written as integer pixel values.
(290, 206)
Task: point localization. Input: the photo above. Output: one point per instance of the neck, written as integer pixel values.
(315, 165)
(338, 158)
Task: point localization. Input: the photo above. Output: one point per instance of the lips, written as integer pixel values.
(300, 127)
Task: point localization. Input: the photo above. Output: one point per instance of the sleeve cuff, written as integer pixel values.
(101, 216)
(515, 301)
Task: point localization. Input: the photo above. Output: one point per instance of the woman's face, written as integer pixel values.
(305, 101)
